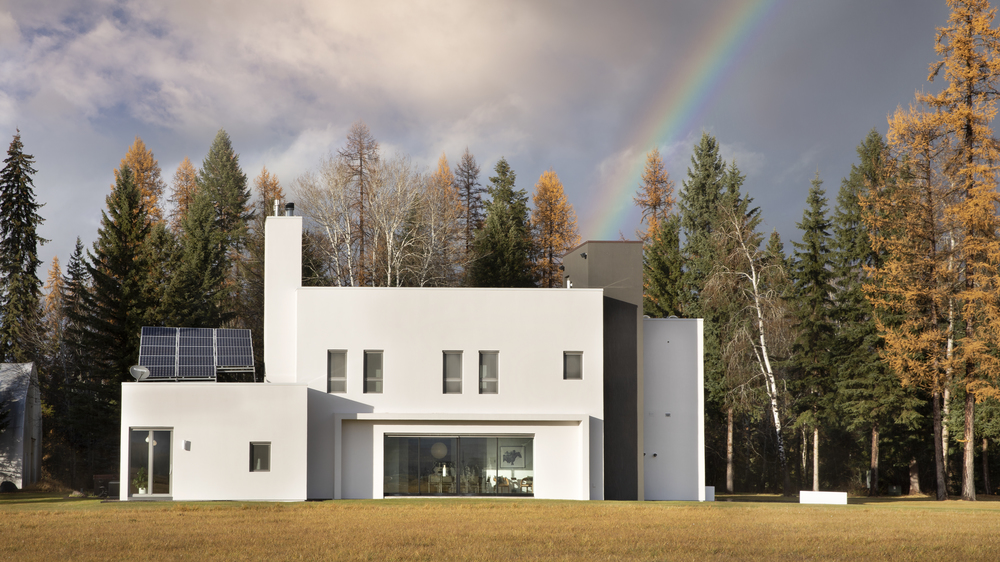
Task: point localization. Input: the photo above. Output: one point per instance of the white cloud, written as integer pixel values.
(10, 32)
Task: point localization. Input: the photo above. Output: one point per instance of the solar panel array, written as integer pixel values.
(194, 353)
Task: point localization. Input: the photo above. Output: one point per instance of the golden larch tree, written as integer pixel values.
(268, 191)
(553, 225)
(948, 270)
(184, 189)
(656, 195)
(969, 47)
(146, 173)
(912, 289)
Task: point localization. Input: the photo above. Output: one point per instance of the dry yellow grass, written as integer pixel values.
(473, 529)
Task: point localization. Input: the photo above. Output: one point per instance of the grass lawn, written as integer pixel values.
(50, 527)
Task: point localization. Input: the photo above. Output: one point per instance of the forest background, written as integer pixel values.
(863, 359)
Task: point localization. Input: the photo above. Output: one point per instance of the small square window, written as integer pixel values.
(488, 372)
(336, 371)
(373, 372)
(452, 372)
(572, 365)
(260, 456)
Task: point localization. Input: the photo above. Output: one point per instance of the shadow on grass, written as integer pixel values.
(41, 498)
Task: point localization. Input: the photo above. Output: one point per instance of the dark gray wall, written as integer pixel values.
(621, 432)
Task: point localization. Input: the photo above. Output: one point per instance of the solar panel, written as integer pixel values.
(194, 353)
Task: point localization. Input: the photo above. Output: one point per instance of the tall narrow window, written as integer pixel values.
(452, 372)
(373, 372)
(488, 372)
(572, 365)
(260, 456)
(336, 370)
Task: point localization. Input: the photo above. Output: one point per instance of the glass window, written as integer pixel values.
(452, 372)
(488, 370)
(480, 465)
(336, 370)
(260, 457)
(373, 372)
(149, 461)
(573, 365)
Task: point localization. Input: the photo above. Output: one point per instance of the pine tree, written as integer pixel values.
(553, 224)
(502, 247)
(226, 186)
(812, 382)
(19, 241)
(106, 329)
(146, 171)
(184, 188)
(470, 193)
(866, 389)
(195, 296)
(656, 195)
(699, 208)
(114, 309)
(359, 158)
(661, 261)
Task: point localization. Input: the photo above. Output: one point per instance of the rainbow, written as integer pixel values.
(679, 109)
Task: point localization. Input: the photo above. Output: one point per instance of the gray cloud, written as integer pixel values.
(559, 85)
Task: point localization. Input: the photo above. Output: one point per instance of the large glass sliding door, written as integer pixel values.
(149, 462)
(457, 465)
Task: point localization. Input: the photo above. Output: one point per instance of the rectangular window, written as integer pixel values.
(373, 372)
(336, 370)
(488, 371)
(260, 456)
(478, 465)
(452, 372)
(573, 365)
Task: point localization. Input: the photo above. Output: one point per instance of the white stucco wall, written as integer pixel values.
(282, 274)
(220, 421)
(674, 384)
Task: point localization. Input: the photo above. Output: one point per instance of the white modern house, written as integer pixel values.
(376, 392)
(21, 440)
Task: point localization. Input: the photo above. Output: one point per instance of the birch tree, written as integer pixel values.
(751, 281)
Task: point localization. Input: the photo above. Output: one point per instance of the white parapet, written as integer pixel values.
(834, 498)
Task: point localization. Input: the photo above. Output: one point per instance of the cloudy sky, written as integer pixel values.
(788, 87)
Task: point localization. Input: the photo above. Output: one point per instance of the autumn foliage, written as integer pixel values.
(553, 223)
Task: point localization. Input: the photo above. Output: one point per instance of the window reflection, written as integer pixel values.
(452, 465)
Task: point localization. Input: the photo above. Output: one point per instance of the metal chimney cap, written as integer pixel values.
(289, 209)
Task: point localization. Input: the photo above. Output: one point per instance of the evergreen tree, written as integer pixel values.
(502, 247)
(812, 382)
(867, 390)
(699, 208)
(112, 313)
(470, 193)
(115, 308)
(553, 224)
(226, 187)
(661, 264)
(19, 241)
(195, 296)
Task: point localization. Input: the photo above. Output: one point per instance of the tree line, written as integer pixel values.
(871, 352)
(195, 259)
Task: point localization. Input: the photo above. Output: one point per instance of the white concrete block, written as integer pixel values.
(710, 493)
(834, 498)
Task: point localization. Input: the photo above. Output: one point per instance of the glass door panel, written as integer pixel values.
(149, 462)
